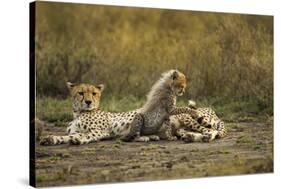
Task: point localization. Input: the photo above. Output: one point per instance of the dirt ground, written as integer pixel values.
(247, 149)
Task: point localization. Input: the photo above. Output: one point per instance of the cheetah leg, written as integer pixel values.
(72, 130)
(189, 136)
(74, 127)
(89, 137)
(189, 123)
(56, 140)
(217, 127)
(135, 130)
(153, 137)
(166, 131)
(221, 130)
(141, 139)
(147, 138)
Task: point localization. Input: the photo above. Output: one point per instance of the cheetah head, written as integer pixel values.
(85, 97)
(178, 82)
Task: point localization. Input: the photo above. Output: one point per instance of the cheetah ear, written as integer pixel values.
(175, 75)
(100, 87)
(70, 85)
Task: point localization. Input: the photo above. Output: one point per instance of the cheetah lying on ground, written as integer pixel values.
(206, 127)
(91, 124)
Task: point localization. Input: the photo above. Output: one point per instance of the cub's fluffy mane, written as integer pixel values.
(159, 90)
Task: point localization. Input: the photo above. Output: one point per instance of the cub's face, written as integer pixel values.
(85, 97)
(178, 83)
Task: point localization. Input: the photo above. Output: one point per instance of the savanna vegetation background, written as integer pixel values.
(228, 59)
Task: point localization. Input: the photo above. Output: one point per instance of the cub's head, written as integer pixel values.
(178, 82)
(85, 97)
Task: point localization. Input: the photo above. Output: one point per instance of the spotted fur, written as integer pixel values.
(205, 128)
(91, 124)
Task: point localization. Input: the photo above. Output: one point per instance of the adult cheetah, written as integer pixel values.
(205, 128)
(90, 123)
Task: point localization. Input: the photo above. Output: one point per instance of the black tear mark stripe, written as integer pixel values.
(82, 98)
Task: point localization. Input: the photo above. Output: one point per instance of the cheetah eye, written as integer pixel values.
(81, 93)
(94, 94)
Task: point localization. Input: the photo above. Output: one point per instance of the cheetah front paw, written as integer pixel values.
(75, 141)
(154, 138)
(206, 138)
(47, 140)
(209, 136)
(188, 138)
(142, 139)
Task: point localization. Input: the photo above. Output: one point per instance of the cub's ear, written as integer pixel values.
(175, 75)
(100, 87)
(70, 85)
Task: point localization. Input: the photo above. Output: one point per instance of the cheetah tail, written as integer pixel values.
(191, 104)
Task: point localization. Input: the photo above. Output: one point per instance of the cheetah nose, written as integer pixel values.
(88, 102)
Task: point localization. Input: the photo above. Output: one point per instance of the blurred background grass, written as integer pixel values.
(228, 58)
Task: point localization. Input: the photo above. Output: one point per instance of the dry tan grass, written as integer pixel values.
(225, 56)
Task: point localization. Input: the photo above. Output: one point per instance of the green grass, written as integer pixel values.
(59, 111)
(53, 110)
(115, 104)
(236, 110)
(227, 58)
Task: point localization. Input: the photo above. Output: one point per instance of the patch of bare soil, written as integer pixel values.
(247, 149)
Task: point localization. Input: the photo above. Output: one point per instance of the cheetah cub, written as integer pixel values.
(160, 104)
